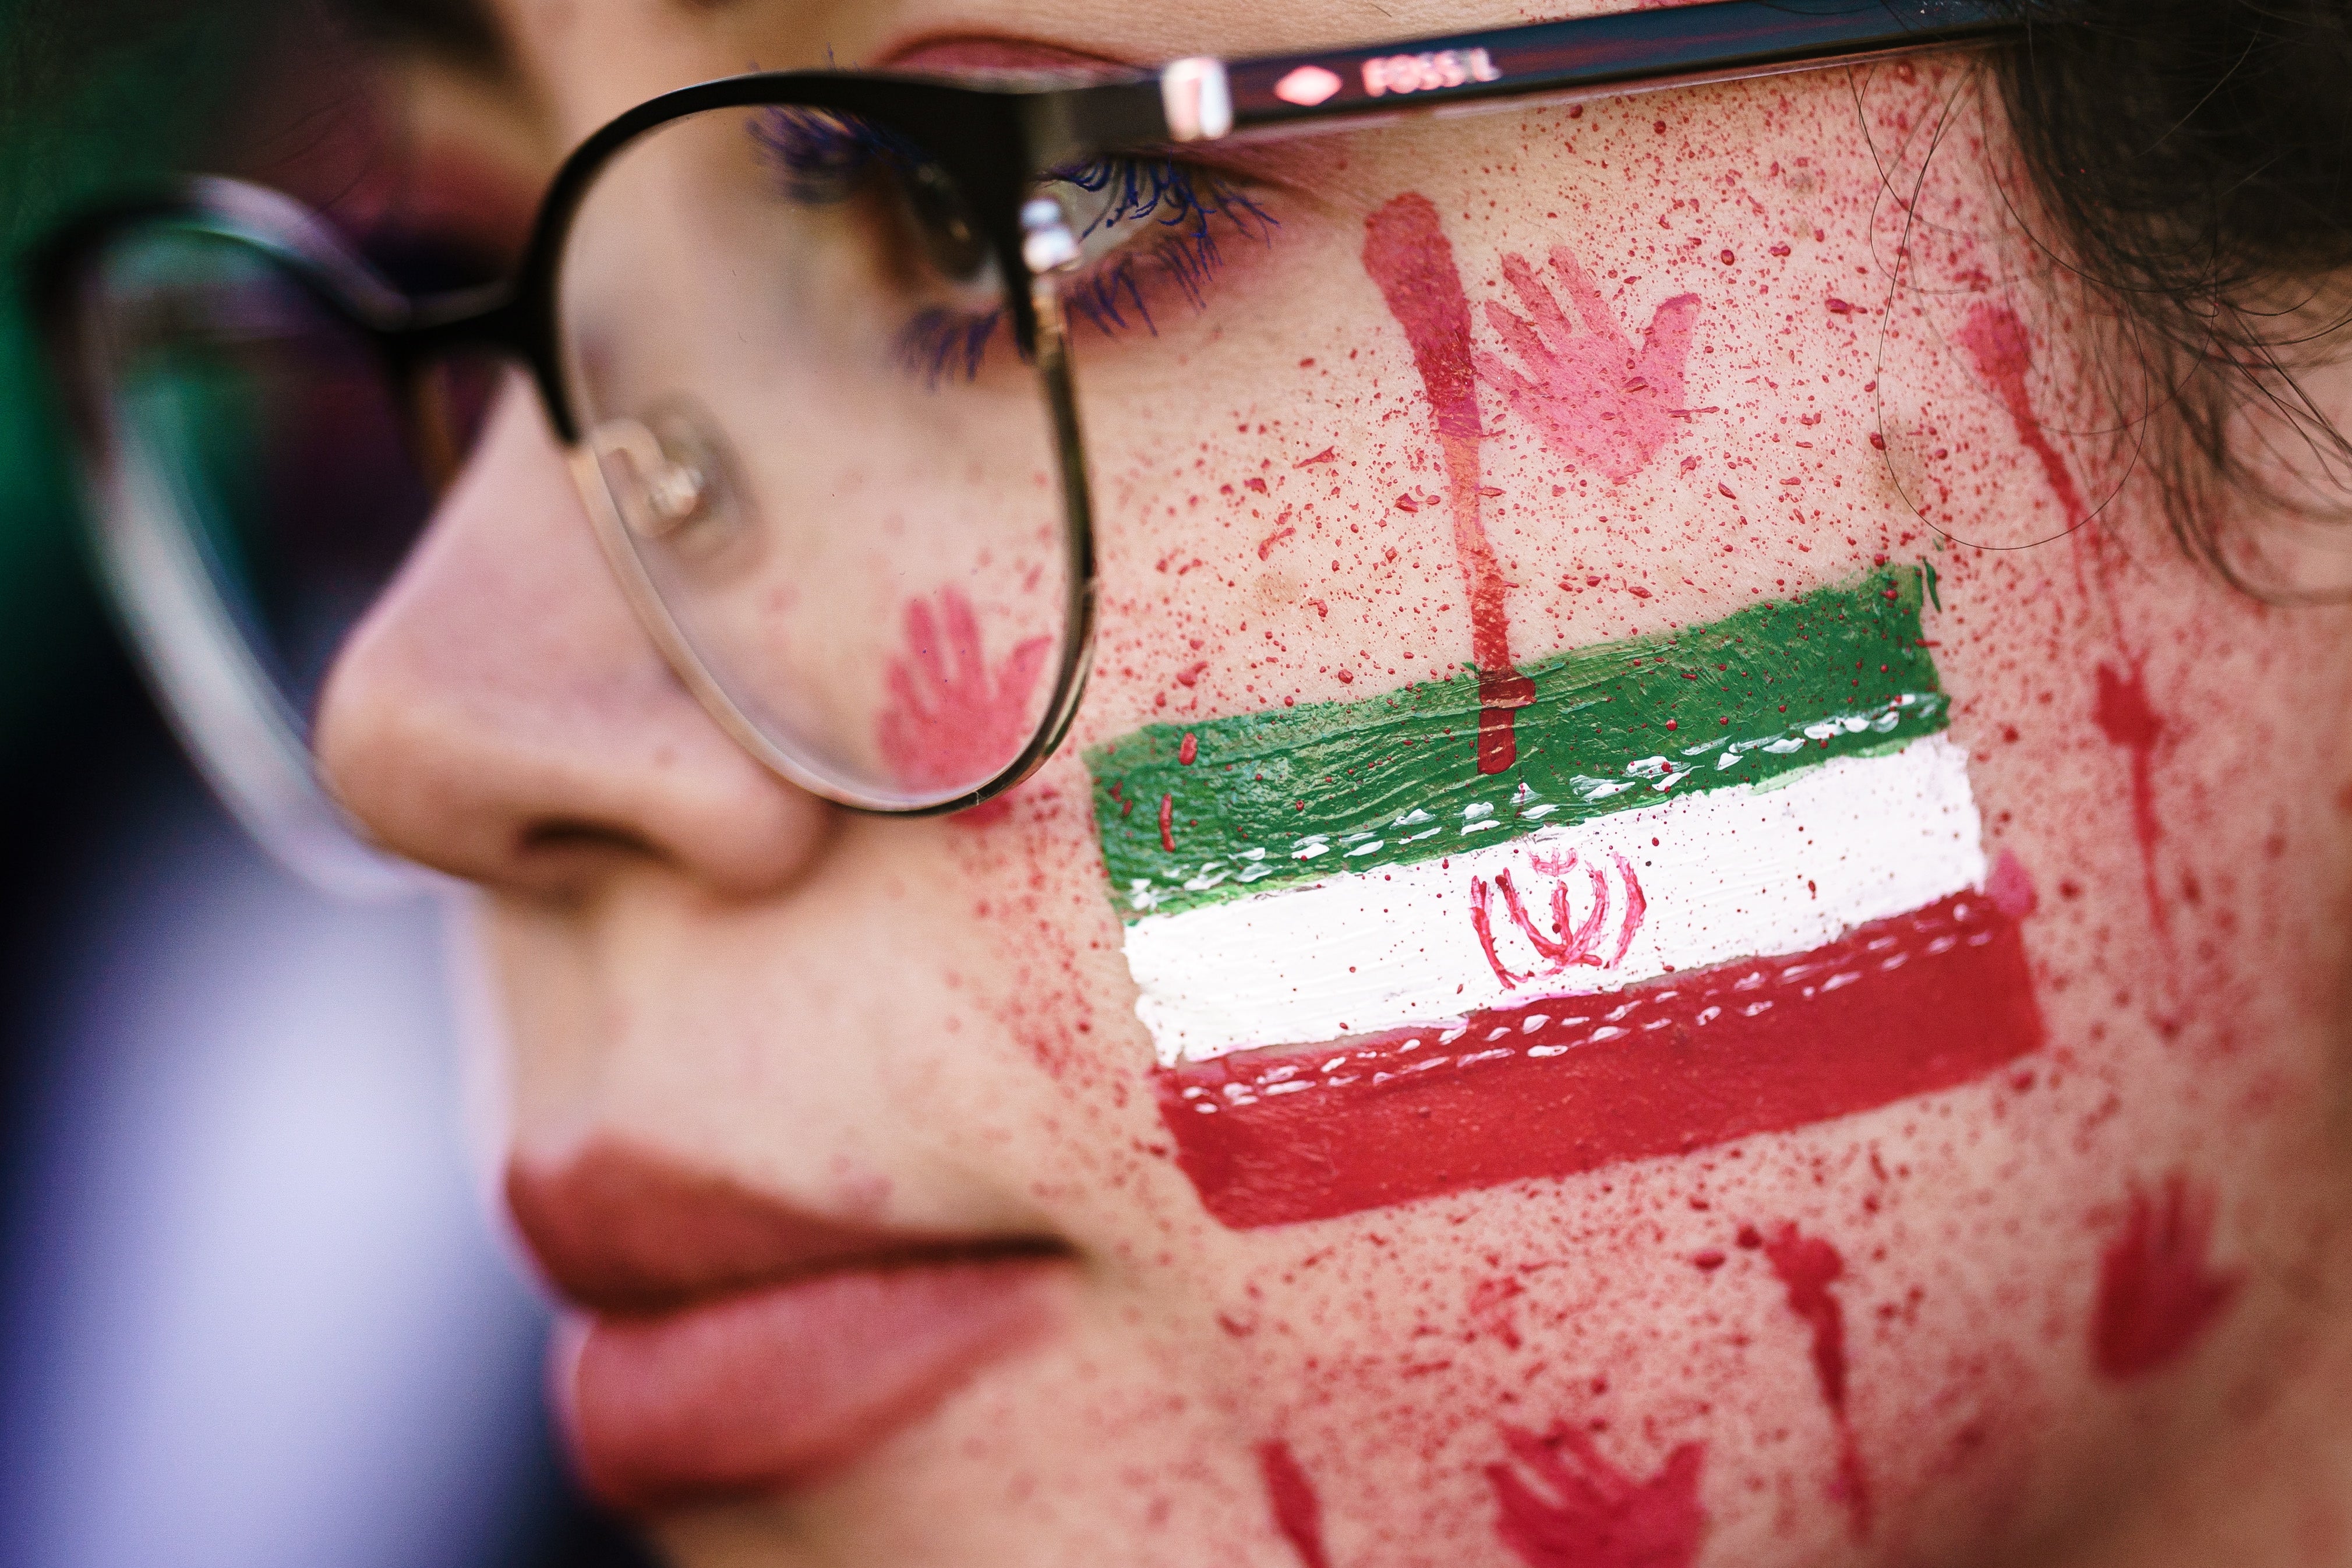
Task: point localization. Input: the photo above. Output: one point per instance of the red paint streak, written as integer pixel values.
(1482, 921)
(1997, 340)
(1297, 1512)
(1565, 946)
(1664, 1068)
(1637, 909)
(1411, 261)
(2158, 1290)
(2125, 717)
(952, 724)
(1561, 1504)
(1807, 1266)
(1595, 399)
(1168, 823)
(1190, 749)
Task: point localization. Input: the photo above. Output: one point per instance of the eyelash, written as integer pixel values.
(819, 158)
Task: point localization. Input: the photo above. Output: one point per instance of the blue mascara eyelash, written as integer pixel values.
(940, 344)
(1182, 199)
(820, 158)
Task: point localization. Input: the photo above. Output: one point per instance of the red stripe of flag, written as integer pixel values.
(1902, 1006)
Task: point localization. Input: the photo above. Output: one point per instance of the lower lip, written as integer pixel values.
(767, 1389)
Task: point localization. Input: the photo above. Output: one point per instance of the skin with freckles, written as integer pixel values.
(2084, 1307)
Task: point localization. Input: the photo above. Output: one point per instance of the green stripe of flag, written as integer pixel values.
(1286, 797)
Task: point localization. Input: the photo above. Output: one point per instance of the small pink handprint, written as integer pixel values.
(951, 724)
(1596, 399)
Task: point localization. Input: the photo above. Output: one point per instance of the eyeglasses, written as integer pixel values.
(809, 340)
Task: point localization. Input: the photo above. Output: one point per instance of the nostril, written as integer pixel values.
(568, 839)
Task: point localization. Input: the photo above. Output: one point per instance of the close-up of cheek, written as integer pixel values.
(1662, 909)
(1690, 992)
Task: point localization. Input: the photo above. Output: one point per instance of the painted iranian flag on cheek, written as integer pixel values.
(1733, 882)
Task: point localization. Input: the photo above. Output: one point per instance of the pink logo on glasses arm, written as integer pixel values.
(1307, 86)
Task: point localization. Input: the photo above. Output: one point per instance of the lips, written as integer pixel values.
(728, 1344)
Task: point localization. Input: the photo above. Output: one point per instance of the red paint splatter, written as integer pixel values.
(1595, 398)
(2125, 717)
(2158, 1290)
(1189, 750)
(1407, 255)
(1490, 1311)
(1297, 1512)
(1807, 1266)
(2010, 887)
(1561, 1504)
(1637, 909)
(951, 724)
(2003, 351)
(1686, 1062)
(1168, 823)
(1997, 340)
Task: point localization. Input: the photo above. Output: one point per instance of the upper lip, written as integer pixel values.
(623, 1230)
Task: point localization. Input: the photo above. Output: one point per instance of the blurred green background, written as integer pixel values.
(254, 1311)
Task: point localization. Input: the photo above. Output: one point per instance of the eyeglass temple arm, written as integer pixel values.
(1204, 100)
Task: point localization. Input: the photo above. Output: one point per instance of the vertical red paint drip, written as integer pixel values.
(1168, 823)
(1411, 261)
(1561, 1504)
(1997, 340)
(2128, 720)
(2003, 351)
(1297, 1512)
(1807, 1266)
(2158, 1290)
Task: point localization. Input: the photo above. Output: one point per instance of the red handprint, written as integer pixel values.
(1561, 1504)
(1597, 400)
(951, 724)
(2158, 1289)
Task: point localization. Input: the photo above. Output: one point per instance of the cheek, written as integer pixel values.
(1781, 1338)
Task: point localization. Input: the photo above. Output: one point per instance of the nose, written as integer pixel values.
(500, 715)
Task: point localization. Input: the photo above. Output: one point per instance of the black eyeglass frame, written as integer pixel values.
(999, 142)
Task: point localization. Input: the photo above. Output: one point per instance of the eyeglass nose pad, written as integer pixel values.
(668, 474)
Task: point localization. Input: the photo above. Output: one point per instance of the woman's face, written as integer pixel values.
(899, 1236)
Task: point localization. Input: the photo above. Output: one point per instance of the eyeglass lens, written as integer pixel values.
(814, 450)
(790, 355)
(262, 422)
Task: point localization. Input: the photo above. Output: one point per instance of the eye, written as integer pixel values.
(1152, 233)
(823, 159)
(942, 224)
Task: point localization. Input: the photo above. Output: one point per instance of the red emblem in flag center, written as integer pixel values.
(1598, 939)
